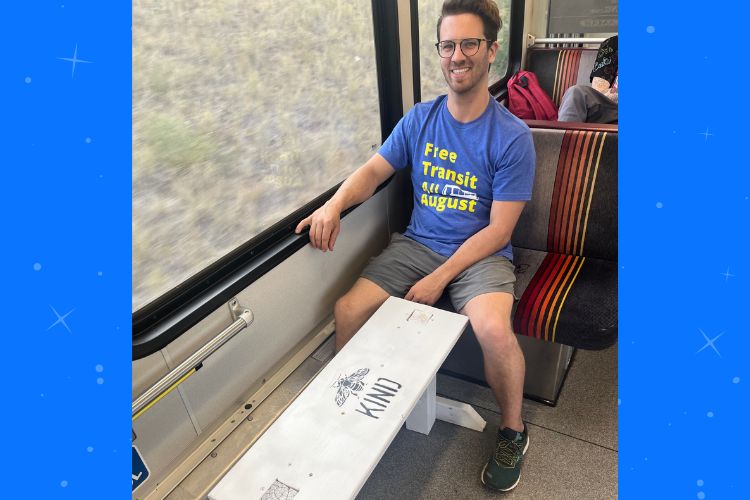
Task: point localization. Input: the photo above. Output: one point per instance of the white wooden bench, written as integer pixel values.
(329, 440)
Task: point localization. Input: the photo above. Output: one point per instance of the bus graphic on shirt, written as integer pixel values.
(457, 192)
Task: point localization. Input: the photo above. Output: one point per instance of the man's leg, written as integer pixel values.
(504, 365)
(573, 105)
(355, 308)
(582, 103)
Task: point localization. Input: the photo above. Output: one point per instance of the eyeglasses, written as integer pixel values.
(469, 46)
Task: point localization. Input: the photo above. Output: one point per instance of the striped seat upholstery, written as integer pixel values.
(565, 243)
(559, 69)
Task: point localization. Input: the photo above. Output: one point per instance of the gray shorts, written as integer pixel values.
(405, 261)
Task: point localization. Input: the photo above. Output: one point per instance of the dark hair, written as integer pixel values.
(486, 10)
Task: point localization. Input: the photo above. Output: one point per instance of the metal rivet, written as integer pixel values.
(248, 406)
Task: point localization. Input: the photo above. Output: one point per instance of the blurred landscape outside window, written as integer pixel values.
(432, 80)
(242, 113)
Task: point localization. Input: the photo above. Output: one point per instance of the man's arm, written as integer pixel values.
(488, 241)
(325, 222)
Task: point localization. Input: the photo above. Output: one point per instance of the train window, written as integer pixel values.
(242, 113)
(432, 81)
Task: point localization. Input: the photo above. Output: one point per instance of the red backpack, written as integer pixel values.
(527, 100)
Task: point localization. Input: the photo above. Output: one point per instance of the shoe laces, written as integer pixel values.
(508, 452)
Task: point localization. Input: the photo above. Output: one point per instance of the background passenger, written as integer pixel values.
(596, 103)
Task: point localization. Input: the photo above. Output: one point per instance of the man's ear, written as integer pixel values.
(493, 51)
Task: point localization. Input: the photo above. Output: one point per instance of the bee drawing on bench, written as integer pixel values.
(457, 192)
(349, 384)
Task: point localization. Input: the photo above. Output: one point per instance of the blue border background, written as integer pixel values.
(67, 221)
(66, 208)
(683, 243)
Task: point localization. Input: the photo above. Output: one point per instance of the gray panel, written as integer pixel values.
(162, 433)
(288, 302)
(582, 16)
(546, 363)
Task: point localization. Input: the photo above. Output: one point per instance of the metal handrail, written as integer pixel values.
(175, 377)
(532, 40)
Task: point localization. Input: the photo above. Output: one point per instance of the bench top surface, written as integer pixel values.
(326, 444)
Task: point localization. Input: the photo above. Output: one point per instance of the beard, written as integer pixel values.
(469, 81)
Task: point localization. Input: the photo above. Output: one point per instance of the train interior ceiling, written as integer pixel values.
(223, 345)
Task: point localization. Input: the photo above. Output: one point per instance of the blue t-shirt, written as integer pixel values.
(459, 169)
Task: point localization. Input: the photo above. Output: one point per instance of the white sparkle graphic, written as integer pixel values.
(650, 29)
(710, 343)
(699, 482)
(99, 380)
(710, 414)
(706, 133)
(27, 79)
(64, 483)
(727, 274)
(61, 319)
(99, 368)
(659, 204)
(701, 495)
(88, 140)
(90, 449)
(74, 60)
(736, 380)
(37, 266)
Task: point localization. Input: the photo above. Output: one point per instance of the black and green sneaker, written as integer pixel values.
(503, 471)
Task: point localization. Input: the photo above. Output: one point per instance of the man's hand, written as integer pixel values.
(427, 290)
(325, 224)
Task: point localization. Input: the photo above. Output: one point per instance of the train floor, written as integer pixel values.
(572, 452)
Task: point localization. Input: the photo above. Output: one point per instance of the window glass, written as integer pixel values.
(432, 80)
(242, 112)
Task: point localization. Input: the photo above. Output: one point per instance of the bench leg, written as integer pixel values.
(459, 413)
(431, 407)
(423, 415)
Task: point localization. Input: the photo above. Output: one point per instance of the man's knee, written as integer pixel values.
(494, 333)
(575, 91)
(344, 308)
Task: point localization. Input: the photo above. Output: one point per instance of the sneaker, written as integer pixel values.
(503, 470)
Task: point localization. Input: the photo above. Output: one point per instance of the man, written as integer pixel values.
(596, 103)
(472, 169)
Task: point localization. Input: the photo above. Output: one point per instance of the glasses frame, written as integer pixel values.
(461, 44)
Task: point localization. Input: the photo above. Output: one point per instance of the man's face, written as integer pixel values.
(463, 73)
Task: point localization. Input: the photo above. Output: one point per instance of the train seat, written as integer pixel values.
(565, 254)
(557, 69)
(565, 243)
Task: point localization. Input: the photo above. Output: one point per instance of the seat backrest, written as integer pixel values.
(573, 210)
(558, 69)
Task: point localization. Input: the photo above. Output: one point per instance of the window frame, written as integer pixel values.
(499, 89)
